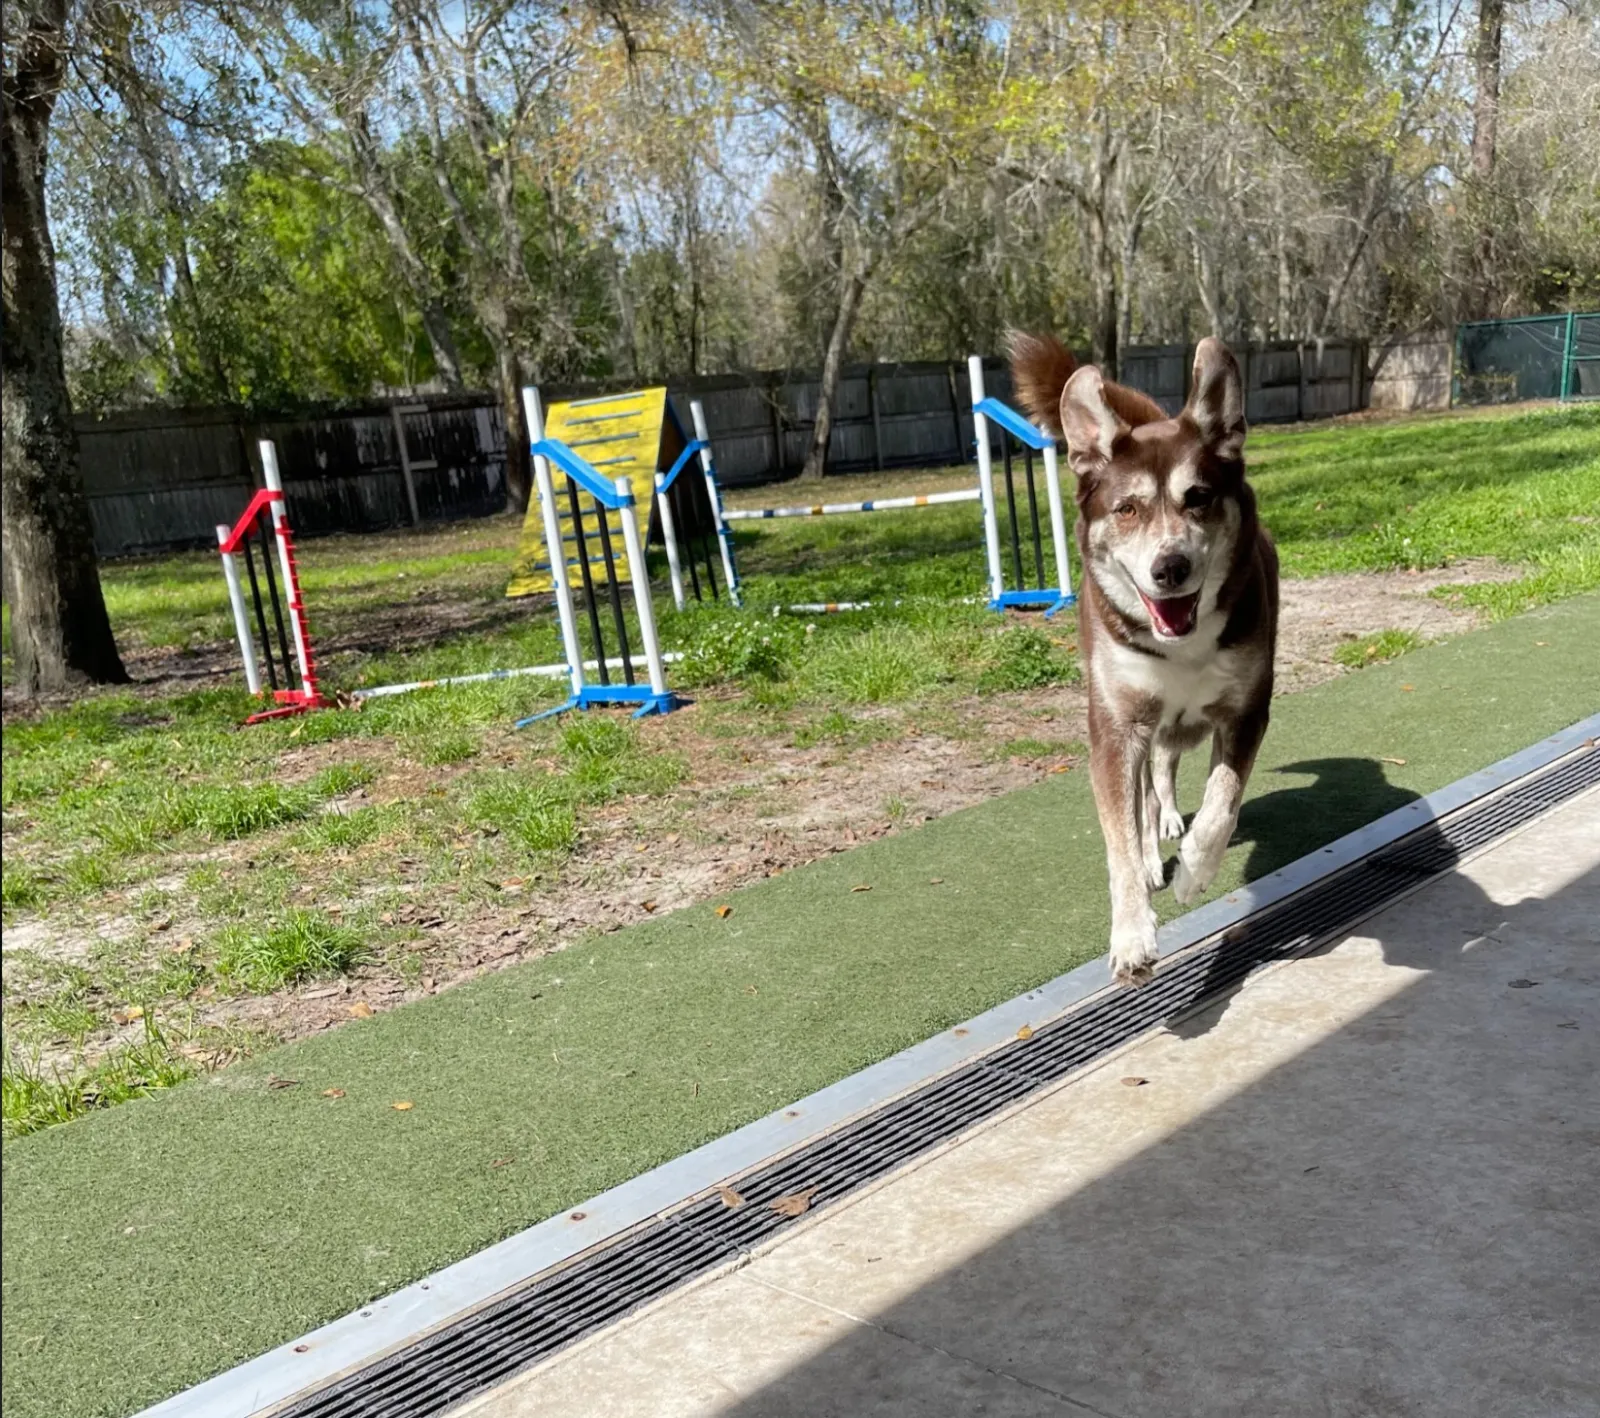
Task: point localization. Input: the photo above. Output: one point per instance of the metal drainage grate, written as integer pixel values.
(474, 1353)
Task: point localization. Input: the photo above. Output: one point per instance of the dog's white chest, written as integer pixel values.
(1185, 684)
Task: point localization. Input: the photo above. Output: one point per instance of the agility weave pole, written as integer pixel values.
(1013, 427)
(582, 479)
(267, 518)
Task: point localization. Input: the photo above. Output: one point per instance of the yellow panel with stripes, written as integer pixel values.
(619, 436)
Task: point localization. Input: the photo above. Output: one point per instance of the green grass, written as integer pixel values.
(536, 1086)
(301, 945)
(1376, 649)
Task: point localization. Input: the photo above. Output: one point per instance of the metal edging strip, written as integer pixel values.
(365, 1335)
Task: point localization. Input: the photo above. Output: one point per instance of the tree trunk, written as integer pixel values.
(519, 463)
(60, 632)
(844, 320)
(1485, 133)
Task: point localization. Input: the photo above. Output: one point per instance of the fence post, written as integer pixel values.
(554, 549)
(399, 416)
(991, 521)
(1567, 347)
(872, 407)
(780, 463)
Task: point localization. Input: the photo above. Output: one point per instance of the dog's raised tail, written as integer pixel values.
(1040, 368)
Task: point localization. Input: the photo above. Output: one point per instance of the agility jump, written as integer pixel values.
(267, 519)
(992, 421)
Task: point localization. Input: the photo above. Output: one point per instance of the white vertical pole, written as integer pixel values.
(291, 582)
(991, 523)
(241, 624)
(552, 541)
(669, 534)
(701, 432)
(1058, 521)
(641, 588)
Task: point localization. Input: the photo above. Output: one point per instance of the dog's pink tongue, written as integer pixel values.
(1174, 616)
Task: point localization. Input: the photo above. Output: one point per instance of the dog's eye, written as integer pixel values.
(1124, 509)
(1197, 498)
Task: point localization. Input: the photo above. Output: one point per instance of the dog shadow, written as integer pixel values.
(1284, 825)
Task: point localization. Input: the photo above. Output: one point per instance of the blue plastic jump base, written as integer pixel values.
(593, 696)
(1047, 596)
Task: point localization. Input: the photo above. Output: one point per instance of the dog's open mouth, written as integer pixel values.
(1174, 617)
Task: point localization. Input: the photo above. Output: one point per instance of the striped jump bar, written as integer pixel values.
(828, 509)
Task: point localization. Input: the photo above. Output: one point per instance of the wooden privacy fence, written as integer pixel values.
(161, 479)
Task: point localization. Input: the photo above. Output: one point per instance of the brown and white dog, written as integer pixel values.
(1177, 615)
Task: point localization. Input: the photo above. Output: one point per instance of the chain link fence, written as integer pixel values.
(1535, 357)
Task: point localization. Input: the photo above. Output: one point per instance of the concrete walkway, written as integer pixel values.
(1366, 1184)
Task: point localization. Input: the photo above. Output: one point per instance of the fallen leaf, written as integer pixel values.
(795, 1204)
(648, 905)
(302, 1348)
(333, 1093)
(403, 1106)
(730, 1198)
(1521, 984)
(273, 1081)
(1407, 688)
(751, 990)
(1026, 1032)
(359, 1010)
(935, 881)
(1061, 768)
(854, 889)
(164, 924)
(131, 1013)
(1398, 762)
(723, 912)
(961, 1033)
(1541, 642)
(1134, 1081)
(502, 1161)
(577, 1216)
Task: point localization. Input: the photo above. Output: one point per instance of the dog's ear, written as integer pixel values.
(1090, 424)
(1216, 405)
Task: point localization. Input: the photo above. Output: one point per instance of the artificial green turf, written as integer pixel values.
(154, 1244)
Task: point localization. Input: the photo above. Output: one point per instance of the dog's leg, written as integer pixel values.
(1164, 770)
(1233, 755)
(1155, 871)
(1117, 769)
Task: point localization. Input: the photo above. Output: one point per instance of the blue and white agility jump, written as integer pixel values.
(989, 416)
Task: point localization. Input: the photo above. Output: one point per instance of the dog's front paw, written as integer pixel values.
(1133, 949)
(1171, 824)
(1196, 871)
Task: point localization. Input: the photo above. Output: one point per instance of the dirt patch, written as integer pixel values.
(1321, 612)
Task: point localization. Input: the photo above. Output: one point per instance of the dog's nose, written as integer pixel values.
(1170, 570)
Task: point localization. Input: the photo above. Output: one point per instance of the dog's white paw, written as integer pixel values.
(1171, 824)
(1133, 949)
(1196, 871)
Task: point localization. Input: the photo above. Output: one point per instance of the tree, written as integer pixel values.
(60, 632)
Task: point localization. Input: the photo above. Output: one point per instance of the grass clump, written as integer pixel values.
(1024, 658)
(441, 750)
(20, 887)
(225, 812)
(886, 664)
(534, 813)
(731, 647)
(334, 831)
(297, 946)
(604, 761)
(340, 778)
(1377, 648)
(31, 1099)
